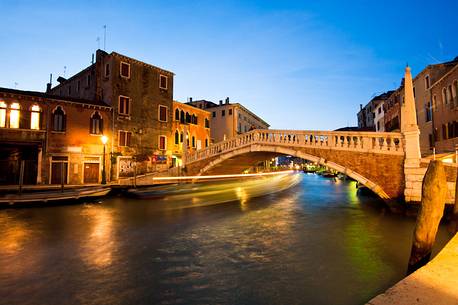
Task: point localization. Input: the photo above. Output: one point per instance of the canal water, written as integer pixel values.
(317, 242)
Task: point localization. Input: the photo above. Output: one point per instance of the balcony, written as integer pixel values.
(22, 135)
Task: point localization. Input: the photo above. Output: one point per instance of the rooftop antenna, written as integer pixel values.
(104, 37)
(98, 42)
(15, 85)
(65, 70)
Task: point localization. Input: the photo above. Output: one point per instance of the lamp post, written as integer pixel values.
(104, 176)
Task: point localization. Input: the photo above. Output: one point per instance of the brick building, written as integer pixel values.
(366, 114)
(191, 124)
(141, 96)
(229, 119)
(59, 139)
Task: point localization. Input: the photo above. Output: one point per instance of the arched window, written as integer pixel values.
(2, 114)
(177, 114)
(193, 142)
(181, 137)
(188, 118)
(444, 96)
(187, 139)
(35, 117)
(182, 118)
(96, 123)
(450, 97)
(177, 137)
(58, 119)
(206, 142)
(194, 119)
(15, 110)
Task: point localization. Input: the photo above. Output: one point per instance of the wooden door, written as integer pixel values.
(56, 172)
(91, 172)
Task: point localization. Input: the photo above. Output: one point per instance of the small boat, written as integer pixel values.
(54, 196)
(327, 174)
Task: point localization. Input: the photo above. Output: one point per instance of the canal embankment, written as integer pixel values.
(435, 283)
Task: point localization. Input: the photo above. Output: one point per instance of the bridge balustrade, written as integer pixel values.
(378, 142)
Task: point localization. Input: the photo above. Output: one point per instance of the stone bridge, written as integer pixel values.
(374, 159)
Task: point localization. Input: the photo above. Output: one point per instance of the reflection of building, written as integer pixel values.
(229, 119)
(59, 139)
(141, 96)
(191, 124)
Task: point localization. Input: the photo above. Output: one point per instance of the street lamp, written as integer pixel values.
(104, 176)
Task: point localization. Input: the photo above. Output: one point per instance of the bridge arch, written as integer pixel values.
(279, 150)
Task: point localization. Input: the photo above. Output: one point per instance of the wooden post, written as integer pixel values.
(434, 193)
(21, 176)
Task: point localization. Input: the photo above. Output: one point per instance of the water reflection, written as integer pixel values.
(99, 245)
(315, 243)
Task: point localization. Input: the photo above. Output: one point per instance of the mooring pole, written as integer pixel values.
(62, 177)
(434, 193)
(21, 176)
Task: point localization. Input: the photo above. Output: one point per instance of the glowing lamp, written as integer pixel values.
(104, 140)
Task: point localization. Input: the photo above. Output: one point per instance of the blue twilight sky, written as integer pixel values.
(297, 64)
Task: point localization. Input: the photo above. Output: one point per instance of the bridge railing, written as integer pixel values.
(378, 142)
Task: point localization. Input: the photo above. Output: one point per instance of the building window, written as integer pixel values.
(177, 114)
(96, 124)
(15, 110)
(124, 138)
(223, 112)
(428, 112)
(177, 137)
(427, 81)
(193, 142)
(187, 139)
(214, 114)
(206, 142)
(78, 85)
(162, 113)
(444, 96)
(107, 70)
(35, 115)
(163, 82)
(194, 119)
(207, 123)
(181, 137)
(124, 70)
(162, 142)
(69, 90)
(124, 105)
(230, 111)
(182, 117)
(188, 118)
(2, 114)
(58, 119)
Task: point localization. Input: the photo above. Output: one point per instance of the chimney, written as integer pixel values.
(360, 106)
(227, 100)
(220, 102)
(49, 85)
(92, 62)
(189, 99)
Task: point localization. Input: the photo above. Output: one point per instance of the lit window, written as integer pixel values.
(162, 142)
(96, 123)
(35, 117)
(163, 80)
(162, 113)
(58, 119)
(14, 115)
(124, 105)
(124, 138)
(125, 70)
(2, 114)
